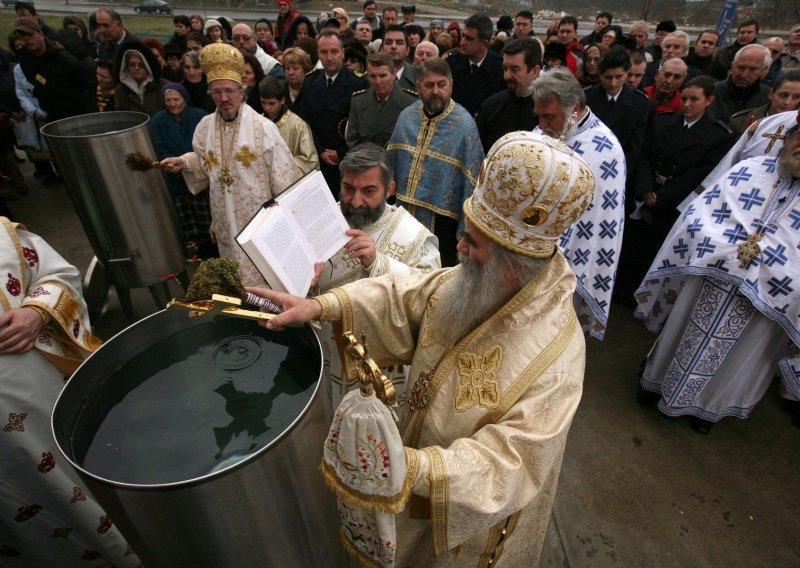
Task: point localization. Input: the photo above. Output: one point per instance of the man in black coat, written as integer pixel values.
(743, 88)
(112, 33)
(625, 111)
(477, 71)
(512, 109)
(679, 152)
(57, 76)
(702, 55)
(324, 104)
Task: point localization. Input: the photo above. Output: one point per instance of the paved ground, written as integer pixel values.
(636, 489)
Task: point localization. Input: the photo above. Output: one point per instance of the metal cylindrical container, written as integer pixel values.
(202, 440)
(126, 214)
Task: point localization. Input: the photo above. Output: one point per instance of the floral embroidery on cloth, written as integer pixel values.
(365, 464)
(478, 379)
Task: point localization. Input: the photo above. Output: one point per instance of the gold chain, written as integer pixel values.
(225, 177)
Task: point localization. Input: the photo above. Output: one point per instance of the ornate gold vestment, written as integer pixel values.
(490, 414)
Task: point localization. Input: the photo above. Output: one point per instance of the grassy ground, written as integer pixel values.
(143, 26)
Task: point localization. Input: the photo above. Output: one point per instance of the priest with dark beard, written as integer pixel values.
(385, 240)
(496, 360)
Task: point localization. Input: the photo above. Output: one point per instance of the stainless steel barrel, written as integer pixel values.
(265, 505)
(127, 215)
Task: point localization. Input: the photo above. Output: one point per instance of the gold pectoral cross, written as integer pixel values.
(225, 178)
(244, 156)
(774, 136)
(748, 250)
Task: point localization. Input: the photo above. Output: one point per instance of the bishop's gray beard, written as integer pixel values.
(360, 217)
(789, 163)
(476, 292)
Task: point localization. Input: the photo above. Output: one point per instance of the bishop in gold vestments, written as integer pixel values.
(490, 401)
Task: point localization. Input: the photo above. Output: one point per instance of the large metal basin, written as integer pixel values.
(157, 422)
(127, 215)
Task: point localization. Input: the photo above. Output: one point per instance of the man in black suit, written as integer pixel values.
(681, 148)
(625, 111)
(477, 71)
(324, 104)
(512, 108)
(112, 33)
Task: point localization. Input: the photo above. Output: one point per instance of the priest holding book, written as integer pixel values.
(386, 239)
(238, 155)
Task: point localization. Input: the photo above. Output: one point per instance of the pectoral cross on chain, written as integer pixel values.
(775, 136)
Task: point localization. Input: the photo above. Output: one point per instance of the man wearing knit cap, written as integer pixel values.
(57, 76)
(663, 29)
(496, 357)
(238, 153)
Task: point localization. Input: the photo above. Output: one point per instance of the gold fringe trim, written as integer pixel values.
(366, 561)
(383, 504)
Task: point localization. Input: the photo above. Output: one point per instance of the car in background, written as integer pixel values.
(153, 7)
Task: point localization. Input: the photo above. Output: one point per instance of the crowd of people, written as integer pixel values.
(656, 174)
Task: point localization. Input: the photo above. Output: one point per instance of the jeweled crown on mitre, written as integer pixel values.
(530, 190)
(222, 61)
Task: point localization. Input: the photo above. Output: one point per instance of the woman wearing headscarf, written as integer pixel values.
(172, 130)
(139, 77)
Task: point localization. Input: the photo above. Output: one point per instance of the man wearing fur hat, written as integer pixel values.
(238, 153)
(497, 359)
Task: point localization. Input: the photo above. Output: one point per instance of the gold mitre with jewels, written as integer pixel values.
(222, 61)
(530, 190)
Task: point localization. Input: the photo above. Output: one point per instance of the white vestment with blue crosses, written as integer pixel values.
(763, 138)
(705, 240)
(593, 243)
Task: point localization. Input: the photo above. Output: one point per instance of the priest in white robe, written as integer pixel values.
(238, 155)
(386, 240)
(592, 245)
(725, 281)
(497, 360)
(49, 519)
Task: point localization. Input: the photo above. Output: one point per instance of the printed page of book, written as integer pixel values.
(317, 214)
(278, 249)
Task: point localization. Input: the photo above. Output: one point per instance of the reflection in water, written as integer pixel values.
(198, 402)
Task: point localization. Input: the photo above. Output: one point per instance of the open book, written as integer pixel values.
(301, 226)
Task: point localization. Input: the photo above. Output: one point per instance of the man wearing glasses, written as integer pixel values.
(238, 155)
(244, 39)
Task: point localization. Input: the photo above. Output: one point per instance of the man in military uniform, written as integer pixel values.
(374, 111)
(477, 71)
(324, 104)
(395, 43)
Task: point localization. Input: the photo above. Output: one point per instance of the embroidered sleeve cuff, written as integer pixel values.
(331, 308)
(422, 486)
(187, 163)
